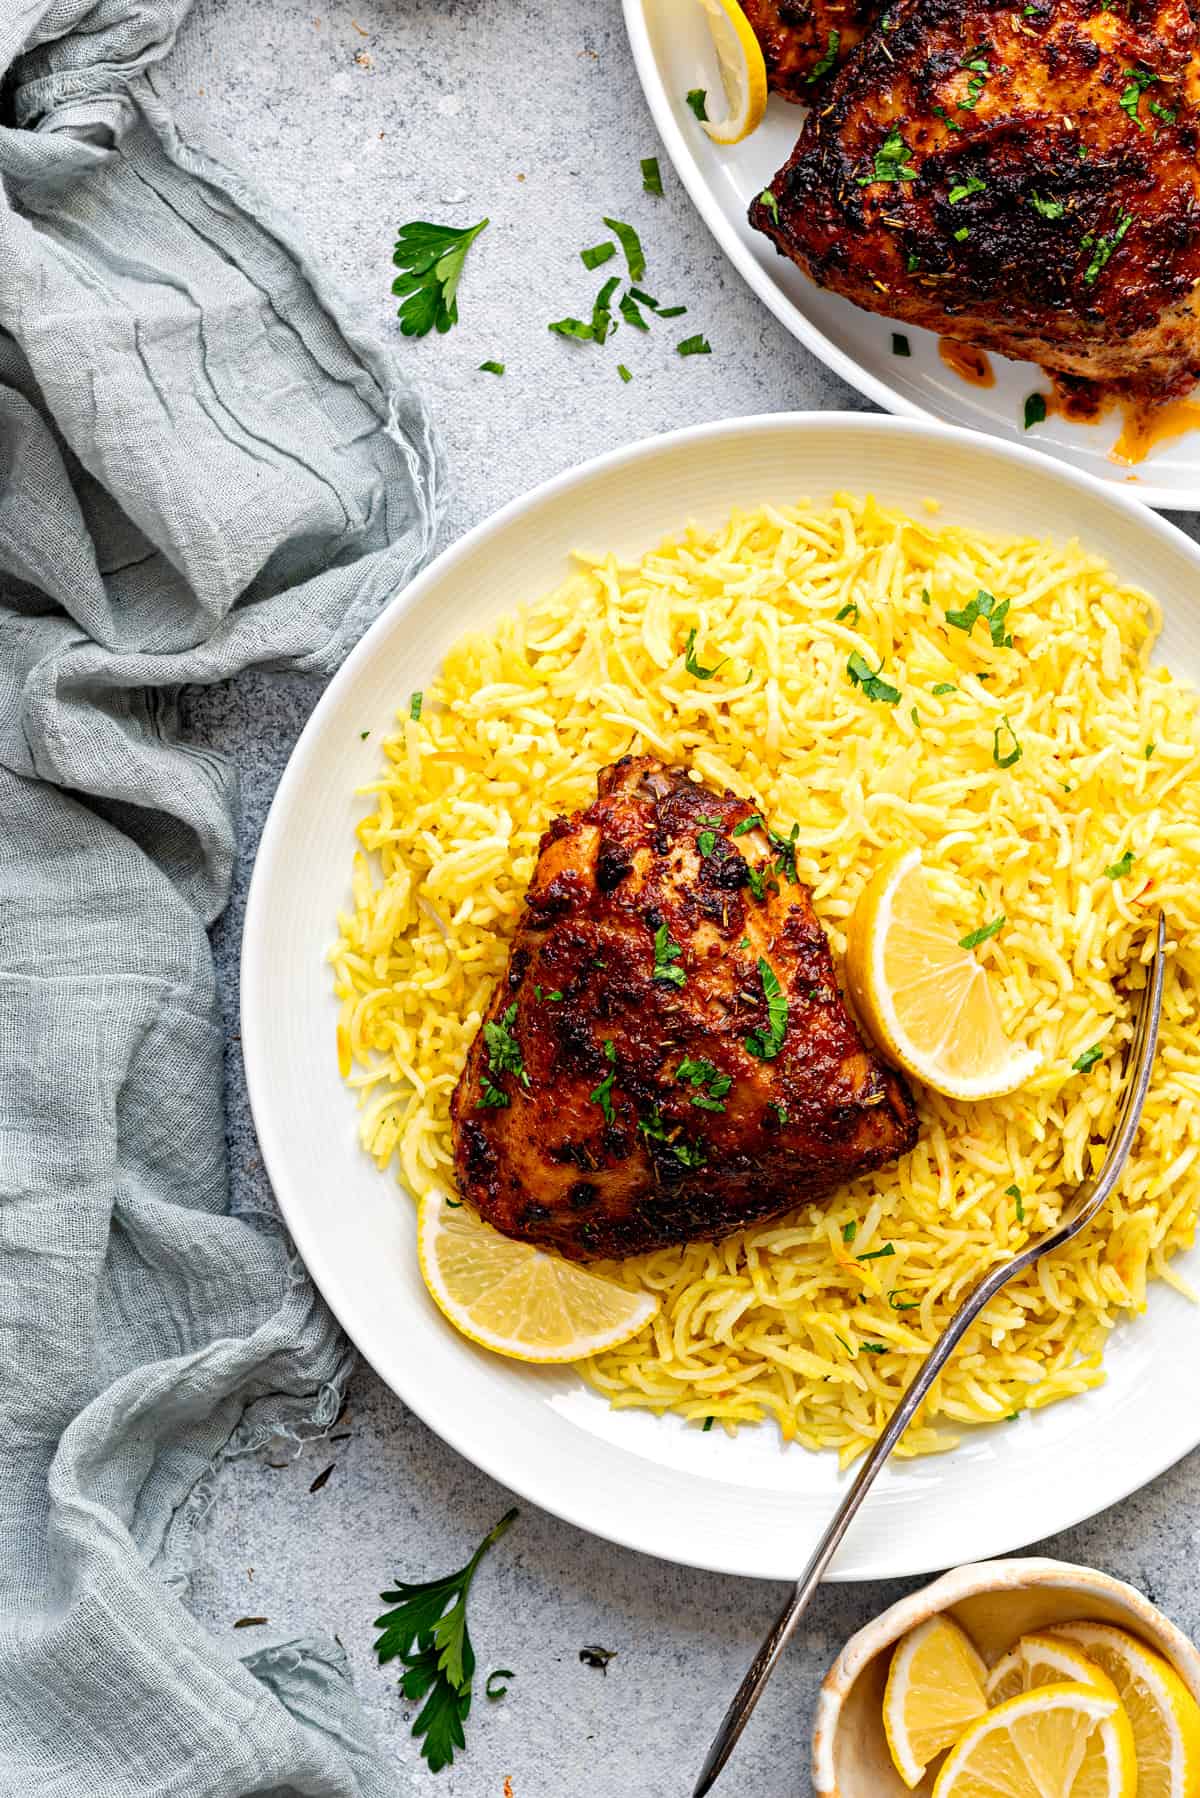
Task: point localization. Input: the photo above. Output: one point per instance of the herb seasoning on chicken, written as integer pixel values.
(668, 1057)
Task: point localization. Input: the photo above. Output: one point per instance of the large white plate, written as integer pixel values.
(673, 53)
(745, 1506)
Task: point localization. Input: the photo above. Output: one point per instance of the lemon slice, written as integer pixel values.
(1044, 1660)
(1061, 1741)
(517, 1299)
(926, 1001)
(1162, 1712)
(743, 72)
(934, 1690)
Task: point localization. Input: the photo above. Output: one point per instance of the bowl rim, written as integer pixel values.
(268, 868)
(949, 1589)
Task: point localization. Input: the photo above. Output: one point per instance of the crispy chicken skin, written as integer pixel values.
(1023, 178)
(801, 37)
(613, 1105)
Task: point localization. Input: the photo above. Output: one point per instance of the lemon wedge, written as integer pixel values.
(516, 1299)
(926, 1000)
(1164, 1716)
(743, 72)
(1044, 1660)
(934, 1690)
(1067, 1740)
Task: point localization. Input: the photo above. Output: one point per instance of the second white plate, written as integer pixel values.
(673, 53)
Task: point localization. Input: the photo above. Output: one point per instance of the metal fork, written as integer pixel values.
(1079, 1213)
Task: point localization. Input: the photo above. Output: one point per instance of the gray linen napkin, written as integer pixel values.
(203, 466)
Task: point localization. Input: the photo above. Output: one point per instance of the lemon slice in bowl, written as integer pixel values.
(924, 998)
(934, 1691)
(516, 1299)
(1041, 1659)
(1164, 1716)
(743, 72)
(1068, 1739)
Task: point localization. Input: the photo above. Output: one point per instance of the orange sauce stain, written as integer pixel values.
(967, 362)
(1146, 427)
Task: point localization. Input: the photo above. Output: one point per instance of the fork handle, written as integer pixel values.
(780, 1634)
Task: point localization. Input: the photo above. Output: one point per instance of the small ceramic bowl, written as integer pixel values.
(995, 1602)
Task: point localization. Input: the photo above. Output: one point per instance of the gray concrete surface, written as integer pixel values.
(359, 119)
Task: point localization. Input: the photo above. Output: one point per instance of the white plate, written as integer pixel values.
(748, 1505)
(673, 53)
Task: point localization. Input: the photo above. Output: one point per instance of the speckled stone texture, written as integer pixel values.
(528, 112)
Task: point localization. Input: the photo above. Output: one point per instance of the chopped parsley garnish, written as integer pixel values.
(666, 954)
(868, 678)
(828, 59)
(984, 605)
(504, 1057)
(598, 254)
(493, 1690)
(602, 1095)
(849, 1231)
(549, 998)
(1118, 870)
(712, 1085)
(767, 198)
(873, 1348)
(1139, 80)
(977, 64)
(903, 1304)
(939, 112)
(983, 934)
(891, 161)
(631, 243)
(962, 234)
(964, 190)
(900, 345)
(431, 257)
(766, 1044)
(572, 327)
(706, 842)
(1047, 209)
(1104, 247)
(693, 666)
(427, 1630)
(758, 885)
(849, 610)
(753, 822)
(694, 346)
(1004, 732)
(785, 853)
(1167, 114)
(1088, 1059)
(1014, 1192)
(651, 175)
(945, 686)
(647, 299)
(491, 368)
(696, 98)
(623, 372)
(690, 1154)
(631, 315)
(601, 315)
(415, 702)
(745, 943)
(1035, 410)
(363, 735)
(879, 1254)
(1148, 751)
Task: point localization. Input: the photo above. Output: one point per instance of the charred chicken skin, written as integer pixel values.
(802, 40)
(1023, 178)
(668, 1057)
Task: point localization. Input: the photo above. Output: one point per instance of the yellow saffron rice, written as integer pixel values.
(818, 1319)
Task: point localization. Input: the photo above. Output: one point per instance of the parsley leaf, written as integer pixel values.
(598, 254)
(1014, 1192)
(1104, 247)
(753, 822)
(879, 1254)
(767, 198)
(631, 243)
(491, 368)
(983, 934)
(765, 1045)
(1012, 755)
(828, 59)
(415, 702)
(900, 344)
(964, 190)
(623, 372)
(1088, 1059)
(1139, 80)
(1035, 410)
(891, 161)
(1048, 209)
(693, 666)
(504, 1057)
(651, 175)
(1118, 870)
(849, 1231)
(984, 605)
(696, 98)
(432, 258)
(785, 853)
(427, 1631)
(944, 686)
(702, 1074)
(694, 346)
(602, 1095)
(868, 678)
(631, 315)
(666, 954)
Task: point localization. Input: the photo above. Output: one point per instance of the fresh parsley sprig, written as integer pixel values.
(766, 1044)
(432, 258)
(427, 1630)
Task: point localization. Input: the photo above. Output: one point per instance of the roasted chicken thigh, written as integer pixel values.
(803, 40)
(1023, 178)
(668, 1057)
